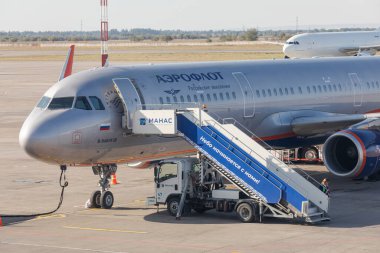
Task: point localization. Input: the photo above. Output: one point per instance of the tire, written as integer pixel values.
(246, 212)
(106, 200)
(173, 205)
(95, 199)
(310, 154)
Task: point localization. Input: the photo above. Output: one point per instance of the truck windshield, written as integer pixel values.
(167, 171)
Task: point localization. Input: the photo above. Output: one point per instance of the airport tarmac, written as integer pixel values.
(30, 186)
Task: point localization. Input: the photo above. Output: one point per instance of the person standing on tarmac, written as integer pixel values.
(324, 187)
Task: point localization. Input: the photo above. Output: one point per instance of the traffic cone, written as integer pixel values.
(113, 179)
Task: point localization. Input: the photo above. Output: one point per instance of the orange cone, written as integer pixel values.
(113, 179)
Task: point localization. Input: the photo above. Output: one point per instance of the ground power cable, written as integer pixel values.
(63, 183)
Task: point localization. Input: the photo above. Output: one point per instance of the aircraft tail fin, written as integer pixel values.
(68, 66)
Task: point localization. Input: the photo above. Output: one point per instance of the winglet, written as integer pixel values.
(68, 67)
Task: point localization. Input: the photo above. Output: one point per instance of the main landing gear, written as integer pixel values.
(103, 198)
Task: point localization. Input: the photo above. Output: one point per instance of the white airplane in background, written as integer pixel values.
(330, 44)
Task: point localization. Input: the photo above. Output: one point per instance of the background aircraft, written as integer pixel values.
(82, 121)
(330, 44)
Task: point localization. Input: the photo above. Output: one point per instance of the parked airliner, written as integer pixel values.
(329, 44)
(287, 103)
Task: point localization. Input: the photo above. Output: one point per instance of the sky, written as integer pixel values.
(74, 15)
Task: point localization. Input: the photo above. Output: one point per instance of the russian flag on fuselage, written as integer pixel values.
(105, 127)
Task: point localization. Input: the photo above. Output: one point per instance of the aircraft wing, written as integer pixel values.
(306, 126)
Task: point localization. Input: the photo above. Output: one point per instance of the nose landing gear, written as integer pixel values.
(103, 198)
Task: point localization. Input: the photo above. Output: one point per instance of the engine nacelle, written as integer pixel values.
(353, 153)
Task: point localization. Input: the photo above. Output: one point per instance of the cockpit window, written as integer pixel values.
(43, 102)
(61, 103)
(97, 103)
(82, 104)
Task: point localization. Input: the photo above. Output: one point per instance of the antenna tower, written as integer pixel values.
(104, 30)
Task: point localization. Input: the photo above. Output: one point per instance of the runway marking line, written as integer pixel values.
(107, 230)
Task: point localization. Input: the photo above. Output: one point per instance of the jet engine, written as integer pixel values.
(353, 153)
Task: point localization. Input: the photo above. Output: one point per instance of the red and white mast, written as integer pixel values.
(104, 31)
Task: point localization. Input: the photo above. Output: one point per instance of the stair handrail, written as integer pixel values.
(258, 139)
(197, 122)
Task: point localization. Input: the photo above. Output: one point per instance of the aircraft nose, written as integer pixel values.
(37, 140)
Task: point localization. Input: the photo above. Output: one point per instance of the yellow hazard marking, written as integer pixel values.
(50, 216)
(107, 230)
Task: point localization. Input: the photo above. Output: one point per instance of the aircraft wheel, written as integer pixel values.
(310, 154)
(106, 200)
(246, 212)
(95, 199)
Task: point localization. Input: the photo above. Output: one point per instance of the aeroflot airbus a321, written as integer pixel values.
(288, 103)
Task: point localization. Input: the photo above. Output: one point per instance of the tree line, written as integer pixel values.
(140, 34)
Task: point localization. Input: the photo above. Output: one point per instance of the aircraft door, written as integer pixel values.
(247, 91)
(357, 88)
(130, 98)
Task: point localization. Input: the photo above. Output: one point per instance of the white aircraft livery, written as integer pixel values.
(329, 44)
(80, 120)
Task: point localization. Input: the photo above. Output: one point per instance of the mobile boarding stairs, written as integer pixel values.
(280, 190)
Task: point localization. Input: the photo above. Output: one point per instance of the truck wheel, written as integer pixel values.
(245, 212)
(173, 205)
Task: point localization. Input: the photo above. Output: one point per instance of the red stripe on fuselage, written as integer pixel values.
(278, 136)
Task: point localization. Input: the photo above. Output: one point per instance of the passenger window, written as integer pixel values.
(280, 91)
(368, 85)
(263, 92)
(275, 92)
(292, 90)
(308, 89)
(221, 96)
(195, 98)
(175, 99)
(234, 95)
(43, 102)
(299, 89)
(182, 99)
(373, 85)
(215, 97)
(188, 98)
(202, 98)
(258, 93)
(168, 100)
(61, 103)
(377, 84)
(324, 88)
(208, 97)
(161, 100)
(315, 89)
(269, 92)
(330, 89)
(319, 88)
(286, 91)
(334, 86)
(227, 96)
(340, 87)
